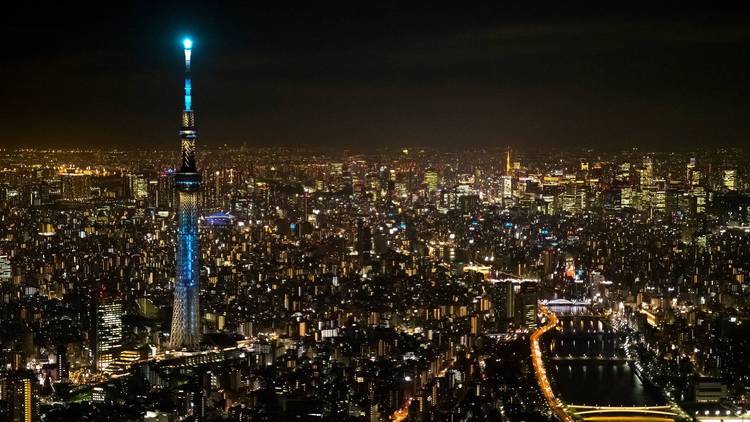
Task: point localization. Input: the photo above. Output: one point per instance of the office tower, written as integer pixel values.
(527, 297)
(75, 187)
(431, 179)
(647, 174)
(63, 366)
(729, 180)
(108, 332)
(690, 169)
(507, 163)
(165, 195)
(623, 174)
(364, 243)
(137, 186)
(186, 312)
(502, 298)
(6, 271)
(20, 392)
(506, 187)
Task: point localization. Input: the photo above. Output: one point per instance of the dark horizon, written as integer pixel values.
(654, 78)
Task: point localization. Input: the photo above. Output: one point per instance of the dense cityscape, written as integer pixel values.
(397, 284)
(215, 281)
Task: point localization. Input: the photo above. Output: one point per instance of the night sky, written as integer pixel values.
(369, 76)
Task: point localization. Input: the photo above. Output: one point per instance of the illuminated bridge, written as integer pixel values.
(617, 413)
(578, 358)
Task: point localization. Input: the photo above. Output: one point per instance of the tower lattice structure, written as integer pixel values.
(186, 333)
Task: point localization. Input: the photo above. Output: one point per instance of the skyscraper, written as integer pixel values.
(75, 186)
(108, 331)
(186, 312)
(20, 392)
(729, 179)
(431, 178)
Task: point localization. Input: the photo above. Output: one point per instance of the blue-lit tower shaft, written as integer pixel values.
(186, 332)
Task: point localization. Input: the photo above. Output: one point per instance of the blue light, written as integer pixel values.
(188, 99)
(187, 43)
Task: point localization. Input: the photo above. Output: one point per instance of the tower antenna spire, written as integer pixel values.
(507, 163)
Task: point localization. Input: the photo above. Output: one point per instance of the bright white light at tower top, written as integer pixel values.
(187, 43)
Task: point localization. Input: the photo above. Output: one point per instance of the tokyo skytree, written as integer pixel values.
(186, 332)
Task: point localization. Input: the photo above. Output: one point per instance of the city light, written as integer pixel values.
(470, 216)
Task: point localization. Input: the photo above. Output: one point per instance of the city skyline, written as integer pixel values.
(398, 214)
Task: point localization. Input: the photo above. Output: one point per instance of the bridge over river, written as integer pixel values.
(587, 372)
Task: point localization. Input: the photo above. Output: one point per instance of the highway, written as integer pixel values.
(541, 374)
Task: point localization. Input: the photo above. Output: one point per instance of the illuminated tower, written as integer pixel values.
(507, 181)
(186, 312)
(507, 163)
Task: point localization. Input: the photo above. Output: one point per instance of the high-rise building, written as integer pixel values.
(527, 297)
(165, 197)
(20, 392)
(137, 186)
(63, 366)
(186, 311)
(6, 271)
(431, 179)
(75, 186)
(647, 174)
(506, 187)
(730, 179)
(108, 332)
(364, 243)
(502, 298)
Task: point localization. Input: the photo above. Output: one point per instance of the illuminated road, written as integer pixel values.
(541, 375)
(572, 412)
(402, 413)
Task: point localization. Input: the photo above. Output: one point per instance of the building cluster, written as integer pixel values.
(388, 285)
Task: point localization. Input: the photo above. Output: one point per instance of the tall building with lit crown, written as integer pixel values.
(186, 312)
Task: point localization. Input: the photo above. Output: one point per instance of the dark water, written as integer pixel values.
(602, 383)
(595, 346)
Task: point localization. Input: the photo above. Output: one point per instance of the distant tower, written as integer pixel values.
(186, 312)
(507, 163)
(506, 187)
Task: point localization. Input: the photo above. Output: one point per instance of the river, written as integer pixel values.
(586, 366)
